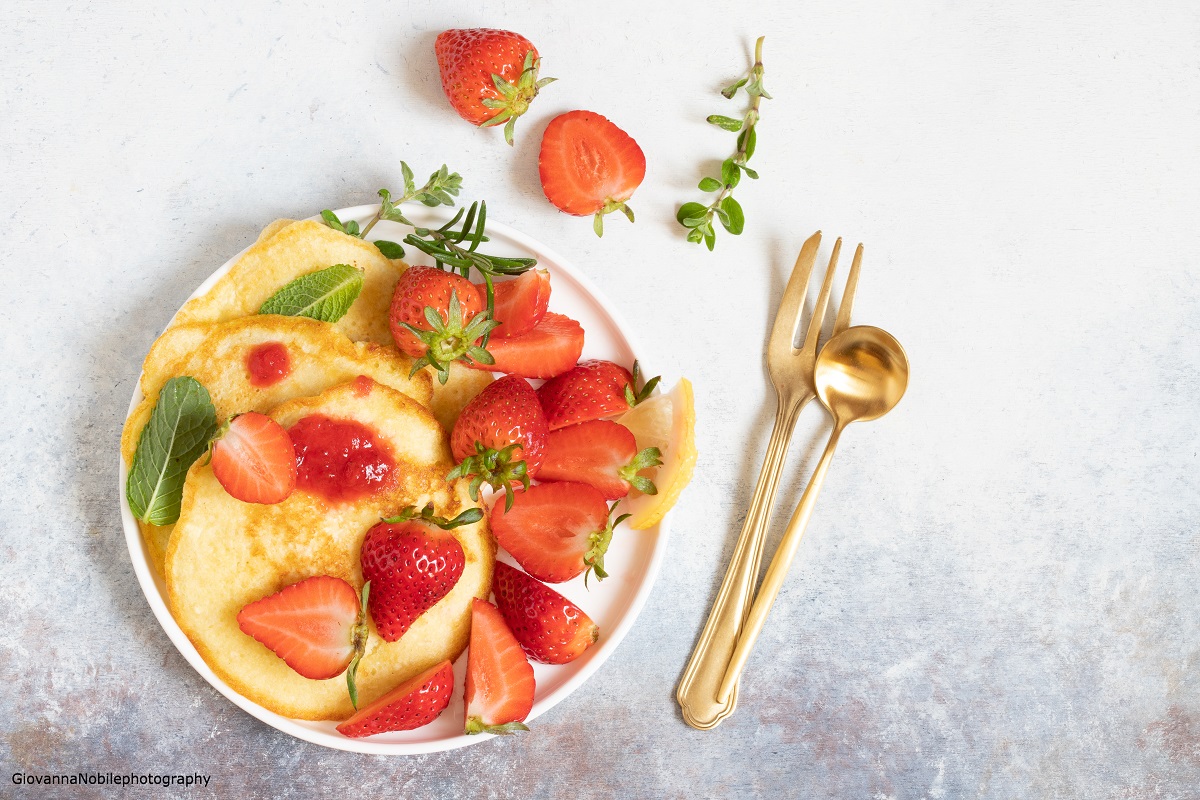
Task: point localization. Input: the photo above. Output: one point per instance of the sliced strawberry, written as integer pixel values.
(500, 686)
(550, 349)
(519, 304)
(601, 453)
(556, 530)
(317, 626)
(499, 437)
(416, 702)
(550, 627)
(411, 566)
(589, 166)
(254, 460)
(594, 389)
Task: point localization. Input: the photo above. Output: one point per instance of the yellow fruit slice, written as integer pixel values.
(668, 422)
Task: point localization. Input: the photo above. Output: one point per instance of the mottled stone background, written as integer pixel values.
(998, 596)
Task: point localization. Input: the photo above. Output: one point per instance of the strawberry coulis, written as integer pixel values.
(268, 363)
(340, 459)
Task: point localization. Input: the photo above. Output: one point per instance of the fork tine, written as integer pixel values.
(843, 315)
(787, 319)
(818, 315)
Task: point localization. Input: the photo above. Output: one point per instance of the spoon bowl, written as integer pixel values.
(861, 374)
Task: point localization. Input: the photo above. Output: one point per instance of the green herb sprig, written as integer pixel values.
(440, 190)
(697, 217)
(446, 246)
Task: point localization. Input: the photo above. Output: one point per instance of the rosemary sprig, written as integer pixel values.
(439, 190)
(697, 217)
(446, 246)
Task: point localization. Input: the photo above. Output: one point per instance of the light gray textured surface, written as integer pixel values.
(998, 596)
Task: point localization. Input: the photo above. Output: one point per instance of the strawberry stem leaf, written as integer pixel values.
(359, 640)
(515, 98)
(426, 514)
(475, 725)
(495, 468)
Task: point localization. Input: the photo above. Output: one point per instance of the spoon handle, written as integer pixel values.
(777, 572)
(697, 692)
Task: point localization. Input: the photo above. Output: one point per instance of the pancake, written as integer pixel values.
(215, 354)
(287, 253)
(285, 250)
(462, 386)
(225, 554)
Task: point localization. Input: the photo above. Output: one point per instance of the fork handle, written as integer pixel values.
(697, 692)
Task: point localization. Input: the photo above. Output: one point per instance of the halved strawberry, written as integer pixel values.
(411, 566)
(589, 166)
(499, 437)
(254, 460)
(519, 304)
(550, 627)
(556, 530)
(500, 685)
(601, 453)
(436, 317)
(594, 389)
(416, 702)
(550, 349)
(317, 626)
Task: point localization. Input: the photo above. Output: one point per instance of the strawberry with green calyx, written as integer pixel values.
(602, 453)
(550, 349)
(550, 628)
(412, 561)
(589, 166)
(439, 317)
(413, 704)
(500, 684)
(317, 626)
(489, 76)
(593, 389)
(500, 437)
(556, 531)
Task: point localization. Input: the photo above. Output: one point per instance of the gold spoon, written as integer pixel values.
(860, 375)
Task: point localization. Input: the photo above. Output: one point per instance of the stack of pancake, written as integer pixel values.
(222, 553)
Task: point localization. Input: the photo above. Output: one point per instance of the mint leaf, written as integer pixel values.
(180, 427)
(325, 294)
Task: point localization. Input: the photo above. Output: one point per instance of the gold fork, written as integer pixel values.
(791, 372)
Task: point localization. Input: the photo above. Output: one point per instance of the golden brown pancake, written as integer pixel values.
(285, 250)
(449, 400)
(289, 252)
(225, 553)
(215, 355)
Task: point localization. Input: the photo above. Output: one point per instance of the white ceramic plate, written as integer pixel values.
(632, 561)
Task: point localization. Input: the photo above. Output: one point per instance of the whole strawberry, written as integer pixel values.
(500, 437)
(412, 562)
(437, 317)
(594, 389)
(490, 76)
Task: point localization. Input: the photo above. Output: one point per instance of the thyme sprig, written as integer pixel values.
(440, 190)
(697, 217)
